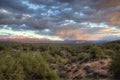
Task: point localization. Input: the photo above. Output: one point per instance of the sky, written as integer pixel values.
(60, 19)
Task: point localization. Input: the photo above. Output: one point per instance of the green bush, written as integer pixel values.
(2, 47)
(115, 65)
(82, 56)
(25, 66)
(109, 52)
(43, 48)
(48, 57)
(96, 52)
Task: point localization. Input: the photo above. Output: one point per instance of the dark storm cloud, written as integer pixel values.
(55, 15)
(62, 10)
(8, 18)
(44, 2)
(31, 22)
(15, 5)
(78, 10)
(66, 1)
(39, 23)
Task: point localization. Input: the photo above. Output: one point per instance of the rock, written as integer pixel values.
(73, 67)
(75, 70)
(100, 74)
(104, 67)
(78, 77)
(102, 62)
(88, 69)
(69, 70)
(62, 74)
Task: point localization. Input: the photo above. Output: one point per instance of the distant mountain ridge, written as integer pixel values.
(23, 39)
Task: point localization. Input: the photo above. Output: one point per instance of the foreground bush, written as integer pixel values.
(25, 66)
(84, 56)
(96, 52)
(115, 65)
(2, 47)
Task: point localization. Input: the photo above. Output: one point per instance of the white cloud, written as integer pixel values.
(27, 33)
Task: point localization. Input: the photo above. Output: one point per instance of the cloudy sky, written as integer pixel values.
(60, 19)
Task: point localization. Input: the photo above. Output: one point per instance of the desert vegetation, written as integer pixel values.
(45, 61)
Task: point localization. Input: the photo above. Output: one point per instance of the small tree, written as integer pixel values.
(109, 52)
(115, 65)
(96, 52)
(2, 47)
(82, 56)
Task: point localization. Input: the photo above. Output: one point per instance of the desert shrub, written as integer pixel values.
(33, 48)
(25, 66)
(48, 57)
(82, 56)
(2, 47)
(113, 46)
(115, 65)
(10, 69)
(60, 60)
(96, 52)
(55, 52)
(43, 48)
(15, 46)
(109, 52)
(25, 48)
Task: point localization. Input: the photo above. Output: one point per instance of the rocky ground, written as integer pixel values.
(91, 69)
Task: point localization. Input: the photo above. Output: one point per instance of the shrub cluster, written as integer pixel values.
(25, 66)
(115, 65)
